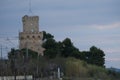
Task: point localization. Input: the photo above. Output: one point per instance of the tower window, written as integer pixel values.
(33, 36)
(39, 37)
(28, 36)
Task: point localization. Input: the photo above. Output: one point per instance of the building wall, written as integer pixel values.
(31, 38)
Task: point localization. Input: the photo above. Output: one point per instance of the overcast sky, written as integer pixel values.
(85, 22)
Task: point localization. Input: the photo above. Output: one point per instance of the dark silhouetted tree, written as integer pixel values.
(47, 36)
(69, 50)
(51, 48)
(96, 56)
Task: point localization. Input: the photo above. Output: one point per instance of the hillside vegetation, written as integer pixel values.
(76, 70)
(73, 63)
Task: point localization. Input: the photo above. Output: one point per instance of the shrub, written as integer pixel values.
(75, 68)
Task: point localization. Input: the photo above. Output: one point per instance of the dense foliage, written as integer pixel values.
(67, 49)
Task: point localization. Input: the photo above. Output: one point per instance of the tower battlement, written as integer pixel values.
(30, 18)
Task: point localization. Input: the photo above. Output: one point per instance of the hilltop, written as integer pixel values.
(73, 63)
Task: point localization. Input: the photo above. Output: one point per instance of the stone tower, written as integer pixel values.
(31, 38)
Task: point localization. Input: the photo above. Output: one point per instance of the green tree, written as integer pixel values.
(51, 48)
(47, 36)
(68, 49)
(22, 53)
(96, 56)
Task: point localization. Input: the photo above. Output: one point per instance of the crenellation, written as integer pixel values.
(30, 18)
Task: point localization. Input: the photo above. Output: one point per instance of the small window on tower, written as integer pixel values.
(39, 37)
(28, 36)
(33, 36)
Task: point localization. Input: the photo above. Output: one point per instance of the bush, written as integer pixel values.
(75, 68)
